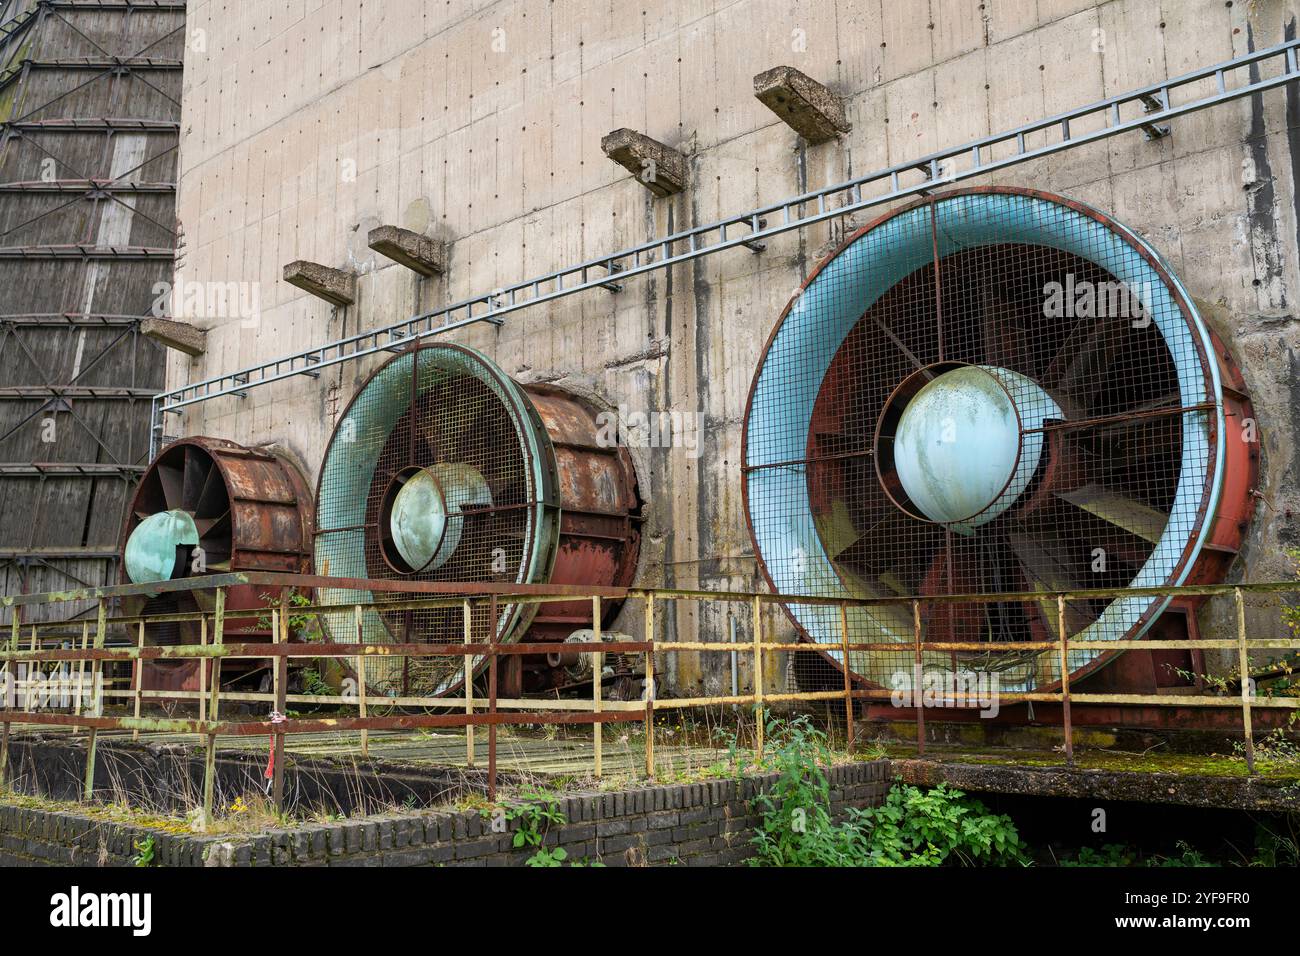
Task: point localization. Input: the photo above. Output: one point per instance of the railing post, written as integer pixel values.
(597, 667)
(649, 718)
(492, 700)
(203, 668)
(1243, 660)
(918, 680)
(360, 665)
(139, 679)
(81, 668)
(280, 678)
(92, 738)
(758, 677)
(214, 704)
(848, 683)
(9, 668)
(468, 613)
(1065, 681)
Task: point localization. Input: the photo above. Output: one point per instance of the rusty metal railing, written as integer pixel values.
(90, 650)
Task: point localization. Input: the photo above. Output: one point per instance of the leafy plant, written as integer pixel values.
(1117, 854)
(916, 827)
(1276, 849)
(796, 827)
(314, 684)
(144, 852)
(534, 815)
(545, 857)
(299, 624)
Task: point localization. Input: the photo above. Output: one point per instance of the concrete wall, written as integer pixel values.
(307, 123)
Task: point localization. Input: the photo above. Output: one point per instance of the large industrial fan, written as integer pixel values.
(993, 391)
(208, 506)
(444, 469)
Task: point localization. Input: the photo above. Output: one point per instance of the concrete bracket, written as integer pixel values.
(803, 104)
(418, 253)
(659, 168)
(333, 285)
(180, 336)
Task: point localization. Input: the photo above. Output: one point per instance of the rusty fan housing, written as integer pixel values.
(1118, 431)
(443, 468)
(251, 510)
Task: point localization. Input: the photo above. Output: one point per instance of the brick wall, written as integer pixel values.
(698, 824)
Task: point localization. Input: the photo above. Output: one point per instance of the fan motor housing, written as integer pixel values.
(251, 511)
(442, 468)
(1080, 441)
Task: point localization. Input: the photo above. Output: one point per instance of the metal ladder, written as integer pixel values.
(1144, 109)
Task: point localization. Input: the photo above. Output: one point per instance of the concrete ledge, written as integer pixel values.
(659, 168)
(180, 336)
(1194, 790)
(803, 104)
(333, 285)
(418, 253)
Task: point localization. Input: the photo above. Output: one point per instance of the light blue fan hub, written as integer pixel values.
(151, 548)
(968, 444)
(427, 520)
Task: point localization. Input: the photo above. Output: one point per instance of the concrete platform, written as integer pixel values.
(1208, 781)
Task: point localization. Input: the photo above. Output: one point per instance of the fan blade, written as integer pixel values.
(1132, 516)
(1046, 568)
(194, 480)
(999, 347)
(172, 482)
(1044, 562)
(210, 499)
(206, 526)
(836, 530)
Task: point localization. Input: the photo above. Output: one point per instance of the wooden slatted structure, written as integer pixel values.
(89, 127)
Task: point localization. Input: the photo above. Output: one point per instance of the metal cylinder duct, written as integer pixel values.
(209, 506)
(992, 391)
(442, 468)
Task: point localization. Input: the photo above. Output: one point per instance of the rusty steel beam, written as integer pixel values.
(508, 591)
(155, 652)
(261, 728)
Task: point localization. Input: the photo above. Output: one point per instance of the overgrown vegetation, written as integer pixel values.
(532, 816)
(144, 852)
(914, 827)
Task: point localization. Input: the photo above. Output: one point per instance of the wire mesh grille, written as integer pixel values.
(441, 412)
(985, 300)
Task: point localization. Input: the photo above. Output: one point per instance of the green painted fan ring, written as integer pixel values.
(348, 469)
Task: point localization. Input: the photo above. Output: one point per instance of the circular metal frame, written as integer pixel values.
(1081, 662)
(347, 468)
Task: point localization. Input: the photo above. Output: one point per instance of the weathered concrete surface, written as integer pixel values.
(482, 128)
(803, 104)
(180, 336)
(333, 285)
(1189, 789)
(419, 253)
(659, 168)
